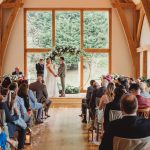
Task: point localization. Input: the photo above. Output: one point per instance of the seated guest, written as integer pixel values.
(23, 93)
(11, 126)
(148, 86)
(33, 102)
(85, 102)
(17, 72)
(130, 81)
(26, 116)
(41, 93)
(123, 81)
(108, 78)
(107, 97)
(93, 102)
(35, 106)
(4, 93)
(0, 86)
(6, 82)
(130, 126)
(12, 103)
(144, 90)
(135, 90)
(114, 105)
(102, 89)
(3, 138)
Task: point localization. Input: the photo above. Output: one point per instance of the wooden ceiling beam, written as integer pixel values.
(140, 24)
(139, 6)
(8, 5)
(124, 5)
(143, 48)
(146, 6)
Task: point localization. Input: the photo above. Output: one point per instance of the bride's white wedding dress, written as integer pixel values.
(51, 82)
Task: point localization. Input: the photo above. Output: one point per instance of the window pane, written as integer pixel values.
(32, 59)
(96, 29)
(95, 65)
(68, 28)
(72, 68)
(39, 29)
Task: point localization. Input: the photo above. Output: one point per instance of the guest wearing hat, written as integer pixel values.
(108, 78)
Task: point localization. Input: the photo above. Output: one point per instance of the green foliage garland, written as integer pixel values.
(59, 51)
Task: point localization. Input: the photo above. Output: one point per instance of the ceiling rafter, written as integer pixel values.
(124, 4)
(140, 24)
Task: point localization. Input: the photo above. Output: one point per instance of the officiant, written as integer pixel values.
(40, 68)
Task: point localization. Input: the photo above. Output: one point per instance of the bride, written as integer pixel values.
(50, 79)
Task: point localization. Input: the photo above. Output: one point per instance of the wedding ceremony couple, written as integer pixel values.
(49, 75)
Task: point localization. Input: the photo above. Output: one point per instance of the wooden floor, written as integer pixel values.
(66, 102)
(62, 131)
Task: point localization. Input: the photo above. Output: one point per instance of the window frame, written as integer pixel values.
(87, 50)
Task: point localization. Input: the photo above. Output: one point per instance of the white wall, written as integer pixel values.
(121, 59)
(145, 41)
(148, 64)
(145, 33)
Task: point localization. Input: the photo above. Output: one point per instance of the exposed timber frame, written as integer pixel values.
(4, 36)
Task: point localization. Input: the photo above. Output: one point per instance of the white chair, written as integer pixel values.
(131, 144)
(114, 115)
(99, 123)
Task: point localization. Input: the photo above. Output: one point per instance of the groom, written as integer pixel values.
(62, 74)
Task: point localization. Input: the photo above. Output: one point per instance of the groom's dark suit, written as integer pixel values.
(62, 74)
(127, 127)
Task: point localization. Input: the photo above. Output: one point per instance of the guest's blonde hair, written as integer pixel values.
(143, 87)
(110, 91)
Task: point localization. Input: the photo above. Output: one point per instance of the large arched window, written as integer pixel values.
(86, 29)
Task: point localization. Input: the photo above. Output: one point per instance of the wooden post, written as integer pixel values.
(144, 63)
(81, 46)
(1, 40)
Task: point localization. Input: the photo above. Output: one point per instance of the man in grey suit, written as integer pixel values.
(62, 74)
(41, 93)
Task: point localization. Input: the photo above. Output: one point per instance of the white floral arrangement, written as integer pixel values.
(12, 77)
(61, 50)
